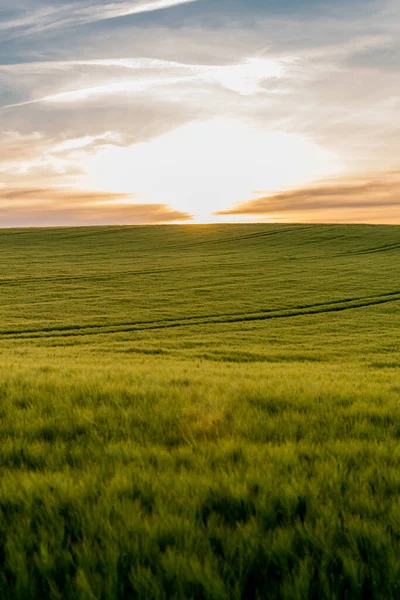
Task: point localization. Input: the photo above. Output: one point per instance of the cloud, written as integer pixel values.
(303, 81)
(372, 198)
(82, 13)
(331, 80)
(28, 207)
(32, 196)
(110, 80)
(16, 149)
(32, 159)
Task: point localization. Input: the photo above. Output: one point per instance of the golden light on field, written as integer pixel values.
(206, 167)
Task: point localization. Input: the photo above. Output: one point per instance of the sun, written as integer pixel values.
(205, 167)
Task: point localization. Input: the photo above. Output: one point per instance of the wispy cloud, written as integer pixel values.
(311, 81)
(73, 14)
(32, 159)
(244, 78)
(16, 148)
(20, 207)
(11, 196)
(375, 197)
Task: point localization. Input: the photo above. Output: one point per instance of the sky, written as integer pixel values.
(199, 111)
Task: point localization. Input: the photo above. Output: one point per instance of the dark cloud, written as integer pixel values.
(386, 57)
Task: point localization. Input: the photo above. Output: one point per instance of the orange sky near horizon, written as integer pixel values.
(177, 111)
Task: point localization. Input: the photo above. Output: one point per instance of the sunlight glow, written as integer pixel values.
(205, 167)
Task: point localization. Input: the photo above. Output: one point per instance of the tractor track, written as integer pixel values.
(190, 321)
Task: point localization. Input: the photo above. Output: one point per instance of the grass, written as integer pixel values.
(200, 412)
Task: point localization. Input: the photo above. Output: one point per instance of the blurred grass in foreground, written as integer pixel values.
(200, 412)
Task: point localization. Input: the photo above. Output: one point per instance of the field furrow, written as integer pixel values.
(200, 412)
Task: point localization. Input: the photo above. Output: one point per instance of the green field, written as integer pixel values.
(200, 412)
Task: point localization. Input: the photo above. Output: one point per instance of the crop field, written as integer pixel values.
(194, 412)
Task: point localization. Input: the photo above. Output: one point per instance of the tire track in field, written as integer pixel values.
(188, 319)
(267, 314)
(105, 277)
(238, 238)
(376, 250)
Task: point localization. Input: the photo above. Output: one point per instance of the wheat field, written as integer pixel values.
(200, 412)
